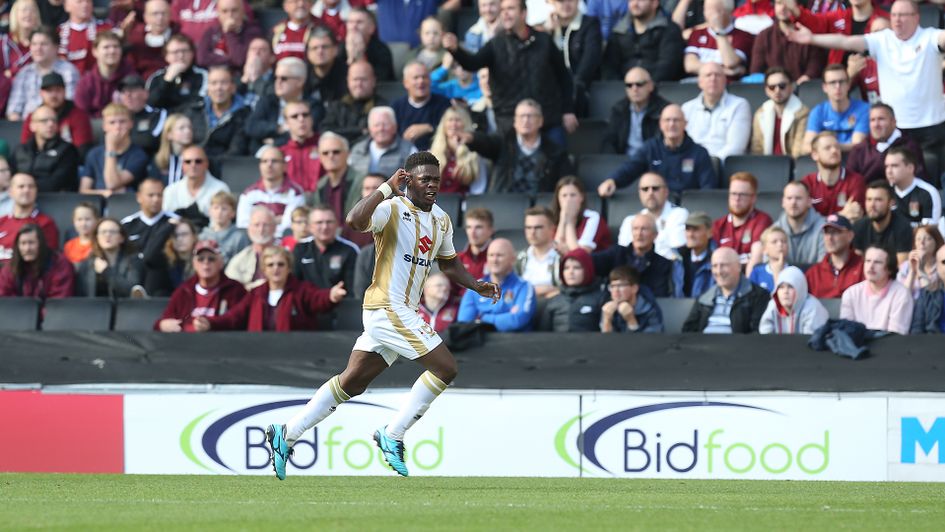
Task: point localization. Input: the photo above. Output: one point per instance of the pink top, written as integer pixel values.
(887, 310)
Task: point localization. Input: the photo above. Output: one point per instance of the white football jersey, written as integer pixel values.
(407, 241)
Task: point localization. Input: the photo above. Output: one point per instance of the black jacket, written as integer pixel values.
(378, 54)
(659, 49)
(148, 241)
(533, 68)
(329, 88)
(584, 49)
(618, 128)
(575, 309)
(656, 272)
(173, 95)
(750, 303)
(146, 130)
(927, 312)
(348, 117)
(263, 122)
(325, 270)
(56, 167)
(553, 162)
(228, 137)
(119, 279)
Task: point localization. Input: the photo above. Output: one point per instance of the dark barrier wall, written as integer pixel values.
(533, 361)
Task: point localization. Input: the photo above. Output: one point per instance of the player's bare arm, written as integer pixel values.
(359, 218)
(457, 273)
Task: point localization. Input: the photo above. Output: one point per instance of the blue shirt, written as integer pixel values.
(856, 119)
(408, 115)
(761, 276)
(450, 88)
(941, 319)
(512, 313)
(398, 21)
(608, 12)
(134, 160)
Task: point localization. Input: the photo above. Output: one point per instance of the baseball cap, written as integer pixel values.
(698, 218)
(131, 81)
(207, 245)
(838, 222)
(52, 79)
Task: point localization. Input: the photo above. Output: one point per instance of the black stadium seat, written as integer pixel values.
(753, 92)
(772, 171)
(833, 307)
(678, 92)
(391, 90)
(621, 205)
(603, 96)
(348, 314)
(804, 165)
(59, 206)
(675, 312)
(119, 206)
(18, 313)
(589, 138)
(399, 52)
(594, 169)
(138, 314)
(713, 202)
(770, 202)
(239, 173)
(508, 210)
(516, 236)
(78, 314)
(10, 132)
(811, 93)
(591, 200)
(267, 18)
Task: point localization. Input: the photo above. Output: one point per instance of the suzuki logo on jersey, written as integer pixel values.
(425, 244)
(419, 261)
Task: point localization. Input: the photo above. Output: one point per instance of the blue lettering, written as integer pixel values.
(913, 433)
(419, 261)
(256, 443)
(636, 448)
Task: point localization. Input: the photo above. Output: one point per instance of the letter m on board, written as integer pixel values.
(425, 244)
(913, 434)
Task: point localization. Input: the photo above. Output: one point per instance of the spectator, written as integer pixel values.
(75, 127)
(333, 14)
(325, 259)
(523, 64)
(847, 119)
(525, 160)
(608, 12)
(84, 218)
(25, 95)
(222, 230)
(77, 35)
(226, 42)
(116, 165)
(15, 45)
(301, 146)
(733, 306)
(716, 119)
(196, 17)
(918, 201)
(340, 187)
(920, 270)
(290, 36)
(673, 154)
(267, 123)
(802, 226)
(181, 82)
(299, 228)
(25, 211)
(479, 231)
(146, 39)
(208, 293)
(514, 311)
(576, 308)
(632, 307)
(245, 266)
(693, 276)
(462, 171)
(397, 21)
(273, 191)
(743, 225)
(218, 121)
(257, 74)
(326, 79)
(483, 112)
(6, 203)
(733, 52)
(670, 218)
(540, 263)
(430, 51)
(178, 251)
(647, 38)
(834, 189)
(34, 269)
(148, 230)
(52, 161)
(177, 134)
(853, 21)
(113, 269)
(451, 81)
(348, 115)
(774, 247)
(908, 66)
(383, 151)
(841, 267)
(578, 226)
(579, 39)
(883, 226)
(193, 193)
(779, 124)
(862, 69)
(438, 307)
(149, 121)
(636, 118)
(99, 83)
(52, 12)
(281, 303)
(369, 184)
(485, 27)
(879, 302)
(791, 309)
(361, 43)
(868, 158)
(773, 48)
(687, 15)
(419, 111)
(656, 272)
(928, 316)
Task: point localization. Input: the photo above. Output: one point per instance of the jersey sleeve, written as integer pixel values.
(381, 216)
(447, 251)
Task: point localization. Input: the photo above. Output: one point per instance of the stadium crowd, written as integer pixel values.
(208, 152)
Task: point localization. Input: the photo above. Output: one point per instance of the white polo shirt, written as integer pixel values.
(910, 75)
(671, 226)
(722, 130)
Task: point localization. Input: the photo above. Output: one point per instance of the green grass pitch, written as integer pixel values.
(132, 502)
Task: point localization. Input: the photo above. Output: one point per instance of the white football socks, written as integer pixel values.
(322, 404)
(424, 391)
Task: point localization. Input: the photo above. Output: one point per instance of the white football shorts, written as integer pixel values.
(393, 333)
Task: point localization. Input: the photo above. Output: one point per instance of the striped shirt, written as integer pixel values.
(281, 201)
(720, 322)
(24, 95)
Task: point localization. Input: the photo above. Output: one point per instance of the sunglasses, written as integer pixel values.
(637, 84)
(777, 86)
(193, 161)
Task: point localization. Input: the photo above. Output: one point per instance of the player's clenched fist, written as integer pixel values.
(396, 180)
(490, 290)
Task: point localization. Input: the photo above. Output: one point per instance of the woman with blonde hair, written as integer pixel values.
(15, 45)
(462, 171)
(177, 134)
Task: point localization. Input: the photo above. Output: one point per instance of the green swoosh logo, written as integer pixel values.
(561, 446)
(185, 441)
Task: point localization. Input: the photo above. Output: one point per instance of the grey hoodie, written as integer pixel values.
(808, 313)
(807, 246)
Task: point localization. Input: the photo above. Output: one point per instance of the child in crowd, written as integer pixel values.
(792, 310)
(221, 229)
(632, 308)
(84, 218)
(576, 307)
(299, 228)
(431, 51)
(774, 242)
(462, 85)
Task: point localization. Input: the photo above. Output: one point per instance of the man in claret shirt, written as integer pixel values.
(834, 189)
(334, 13)
(301, 149)
(743, 224)
(195, 17)
(869, 158)
(98, 87)
(77, 35)
(23, 192)
(226, 42)
(146, 39)
(718, 41)
(479, 231)
(841, 267)
(75, 126)
(289, 37)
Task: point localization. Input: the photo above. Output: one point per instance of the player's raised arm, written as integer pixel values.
(359, 218)
(457, 273)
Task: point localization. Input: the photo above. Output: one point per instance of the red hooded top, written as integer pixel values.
(57, 281)
(584, 258)
(297, 310)
(184, 301)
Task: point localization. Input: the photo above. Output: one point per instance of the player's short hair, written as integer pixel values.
(747, 177)
(331, 135)
(628, 274)
(421, 158)
(150, 179)
(836, 67)
(223, 197)
(885, 106)
(907, 156)
(892, 264)
(482, 214)
(799, 184)
(822, 135)
(181, 38)
(301, 210)
(321, 32)
(280, 251)
(541, 210)
(86, 205)
(105, 36)
(773, 71)
(323, 208)
(116, 109)
(881, 184)
(49, 33)
(772, 229)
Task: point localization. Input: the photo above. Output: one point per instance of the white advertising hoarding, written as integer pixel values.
(916, 439)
